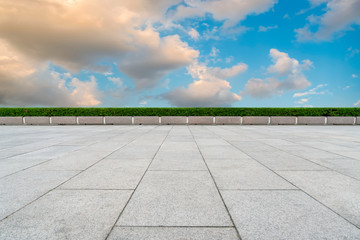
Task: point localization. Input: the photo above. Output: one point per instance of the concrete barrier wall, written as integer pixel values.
(249, 120)
(341, 120)
(63, 120)
(200, 120)
(90, 120)
(283, 120)
(173, 120)
(311, 120)
(228, 120)
(146, 120)
(36, 120)
(118, 120)
(11, 120)
(180, 120)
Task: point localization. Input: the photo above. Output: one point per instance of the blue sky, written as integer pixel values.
(261, 53)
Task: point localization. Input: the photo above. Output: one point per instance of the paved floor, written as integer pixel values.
(179, 182)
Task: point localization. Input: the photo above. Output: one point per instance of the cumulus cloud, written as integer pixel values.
(288, 76)
(229, 11)
(79, 34)
(24, 82)
(194, 34)
(339, 16)
(354, 76)
(208, 89)
(155, 59)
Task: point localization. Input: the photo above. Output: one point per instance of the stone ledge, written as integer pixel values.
(255, 120)
(201, 120)
(173, 120)
(118, 120)
(340, 120)
(227, 120)
(63, 120)
(357, 120)
(311, 120)
(146, 120)
(37, 120)
(91, 120)
(282, 120)
(11, 120)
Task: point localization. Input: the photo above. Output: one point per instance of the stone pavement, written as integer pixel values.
(179, 182)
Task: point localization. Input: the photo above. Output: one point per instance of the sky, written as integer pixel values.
(180, 53)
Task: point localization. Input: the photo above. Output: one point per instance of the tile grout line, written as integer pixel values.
(68, 179)
(292, 184)
(125, 226)
(47, 160)
(330, 169)
(216, 186)
(123, 209)
(306, 159)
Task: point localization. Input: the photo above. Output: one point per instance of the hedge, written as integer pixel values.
(179, 112)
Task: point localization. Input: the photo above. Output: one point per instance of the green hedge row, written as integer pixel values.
(179, 111)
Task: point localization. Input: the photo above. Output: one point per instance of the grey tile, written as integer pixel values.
(175, 199)
(285, 215)
(110, 174)
(66, 214)
(12, 165)
(338, 192)
(174, 233)
(222, 152)
(21, 188)
(245, 174)
(48, 152)
(278, 160)
(77, 160)
(178, 163)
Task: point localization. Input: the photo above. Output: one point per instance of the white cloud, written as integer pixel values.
(214, 52)
(339, 16)
(357, 103)
(25, 82)
(354, 76)
(152, 62)
(288, 76)
(265, 29)
(303, 101)
(85, 93)
(313, 91)
(116, 80)
(208, 89)
(79, 34)
(194, 34)
(229, 11)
